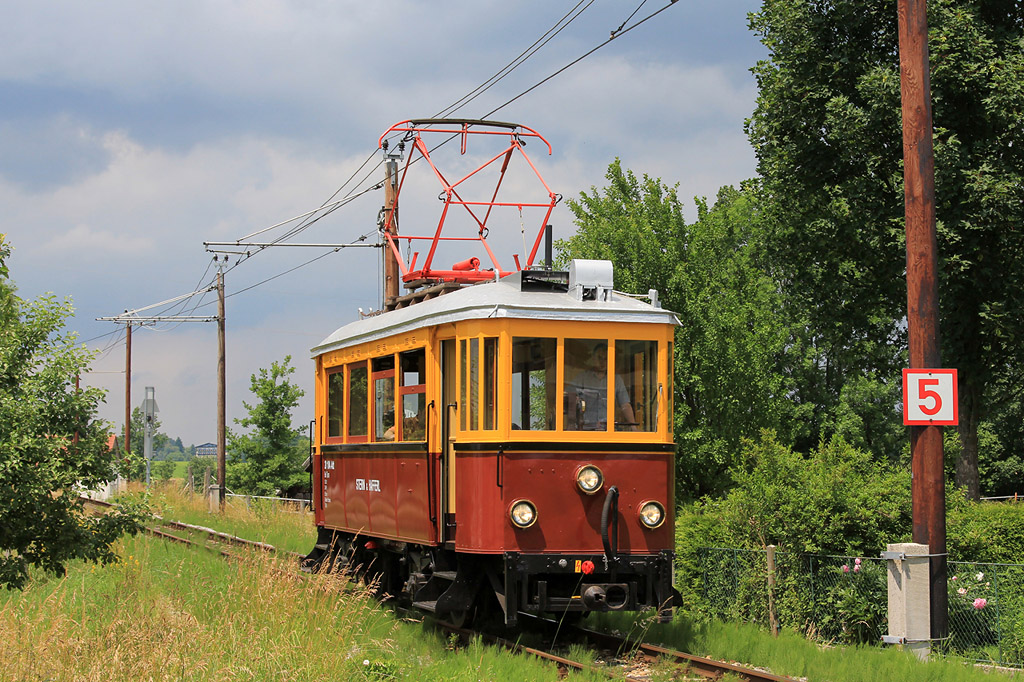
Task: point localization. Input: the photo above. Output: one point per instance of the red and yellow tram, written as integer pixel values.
(504, 445)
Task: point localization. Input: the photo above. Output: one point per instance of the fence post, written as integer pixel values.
(773, 621)
(736, 581)
(999, 613)
(814, 596)
(909, 597)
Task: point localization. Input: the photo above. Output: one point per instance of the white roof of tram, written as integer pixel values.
(499, 299)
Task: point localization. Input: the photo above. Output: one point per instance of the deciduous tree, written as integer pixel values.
(827, 134)
(51, 443)
(269, 459)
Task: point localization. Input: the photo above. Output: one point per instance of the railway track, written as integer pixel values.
(623, 658)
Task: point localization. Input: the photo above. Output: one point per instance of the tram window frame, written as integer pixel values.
(586, 381)
(382, 378)
(464, 361)
(355, 401)
(417, 391)
(335, 404)
(478, 383)
(489, 384)
(541, 350)
(636, 366)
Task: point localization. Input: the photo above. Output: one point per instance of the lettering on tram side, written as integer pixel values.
(328, 468)
(372, 485)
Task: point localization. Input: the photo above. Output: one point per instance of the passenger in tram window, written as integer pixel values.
(586, 388)
(412, 428)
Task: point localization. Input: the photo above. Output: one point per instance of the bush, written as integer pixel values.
(986, 531)
(834, 500)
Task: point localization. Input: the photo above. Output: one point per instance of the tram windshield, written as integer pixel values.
(596, 395)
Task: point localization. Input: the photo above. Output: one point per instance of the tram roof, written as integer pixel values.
(503, 298)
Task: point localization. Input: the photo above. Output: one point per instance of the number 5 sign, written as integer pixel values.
(929, 397)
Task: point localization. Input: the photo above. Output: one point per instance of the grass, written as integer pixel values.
(169, 612)
(259, 520)
(792, 654)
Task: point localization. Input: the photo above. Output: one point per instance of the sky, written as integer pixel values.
(134, 132)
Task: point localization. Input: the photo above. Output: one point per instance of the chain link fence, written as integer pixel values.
(845, 599)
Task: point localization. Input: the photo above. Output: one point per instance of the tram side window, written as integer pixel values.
(357, 385)
(490, 397)
(414, 394)
(636, 370)
(384, 398)
(469, 389)
(335, 403)
(534, 387)
(586, 385)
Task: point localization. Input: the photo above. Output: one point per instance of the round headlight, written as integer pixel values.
(523, 514)
(652, 514)
(589, 478)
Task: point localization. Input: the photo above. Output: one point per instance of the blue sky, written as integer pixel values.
(133, 132)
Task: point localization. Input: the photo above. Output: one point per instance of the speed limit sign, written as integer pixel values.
(929, 397)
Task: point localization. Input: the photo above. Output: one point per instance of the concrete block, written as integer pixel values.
(910, 597)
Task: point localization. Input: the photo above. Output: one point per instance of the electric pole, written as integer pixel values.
(928, 487)
(132, 317)
(391, 274)
(128, 391)
(221, 385)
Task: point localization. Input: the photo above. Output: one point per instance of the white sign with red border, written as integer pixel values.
(930, 397)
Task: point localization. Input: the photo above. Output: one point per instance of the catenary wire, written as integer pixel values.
(315, 215)
(579, 59)
(544, 39)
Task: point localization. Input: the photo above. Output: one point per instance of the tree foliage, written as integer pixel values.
(269, 459)
(51, 443)
(731, 345)
(827, 134)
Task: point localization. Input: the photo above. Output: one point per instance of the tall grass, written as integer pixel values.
(170, 612)
(791, 653)
(268, 521)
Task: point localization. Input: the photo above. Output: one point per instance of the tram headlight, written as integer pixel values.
(589, 478)
(523, 514)
(652, 514)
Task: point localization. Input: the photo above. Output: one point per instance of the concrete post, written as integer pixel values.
(909, 597)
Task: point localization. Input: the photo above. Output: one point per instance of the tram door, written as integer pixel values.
(449, 413)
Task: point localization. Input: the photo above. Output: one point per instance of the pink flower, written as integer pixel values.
(953, 578)
(856, 561)
(856, 569)
(846, 569)
(962, 590)
(980, 603)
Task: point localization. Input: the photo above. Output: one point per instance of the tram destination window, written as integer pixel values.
(636, 372)
(534, 383)
(357, 403)
(585, 402)
(413, 394)
(335, 403)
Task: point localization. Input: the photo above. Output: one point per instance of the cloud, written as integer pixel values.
(83, 239)
(133, 132)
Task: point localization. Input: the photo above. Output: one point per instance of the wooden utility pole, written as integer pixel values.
(391, 274)
(128, 392)
(928, 487)
(221, 385)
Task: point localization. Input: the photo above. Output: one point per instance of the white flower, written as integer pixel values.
(979, 576)
(366, 661)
